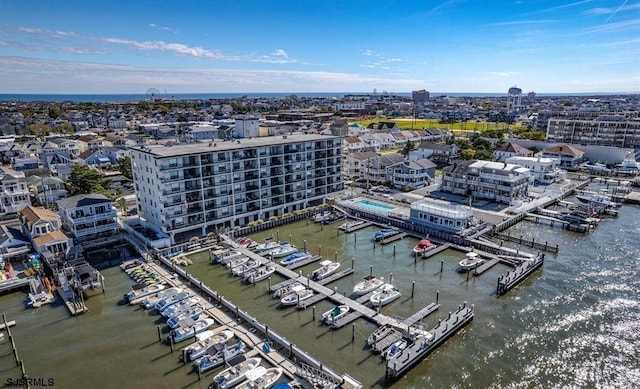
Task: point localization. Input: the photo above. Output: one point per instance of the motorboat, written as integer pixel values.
(471, 261)
(384, 233)
(283, 250)
(423, 246)
(326, 269)
(245, 267)
(351, 224)
(294, 258)
(269, 244)
(597, 199)
(367, 285)
(384, 295)
(218, 355)
(378, 334)
(193, 312)
(204, 343)
(236, 373)
(150, 301)
(259, 274)
(226, 257)
(189, 331)
(136, 294)
(181, 306)
(332, 315)
(261, 378)
(333, 217)
(285, 290)
(167, 302)
(237, 262)
(395, 349)
(298, 293)
(320, 216)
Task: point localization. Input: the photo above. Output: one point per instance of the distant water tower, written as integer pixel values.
(514, 99)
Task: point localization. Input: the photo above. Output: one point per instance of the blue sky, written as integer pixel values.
(94, 47)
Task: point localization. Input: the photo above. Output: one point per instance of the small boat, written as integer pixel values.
(378, 334)
(327, 268)
(332, 315)
(167, 302)
(237, 262)
(173, 254)
(367, 285)
(150, 301)
(204, 343)
(423, 246)
(351, 224)
(471, 261)
(236, 373)
(395, 349)
(261, 378)
(283, 250)
(383, 296)
(246, 267)
(193, 312)
(294, 258)
(181, 306)
(384, 233)
(285, 290)
(298, 293)
(130, 264)
(334, 217)
(184, 333)
(261, 273)
(597, 199)
(136, 294)
(226, 257)
(217, 355)
(320, 216)
(269, 244)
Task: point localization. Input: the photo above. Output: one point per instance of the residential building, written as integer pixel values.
(95, 158)
(379, 169)
(25, 162)
(511, 150)
(42, 227)
(616, 130)
(440, 154)
(441, 215)
(353, 161)
(88, 216)
(413, 174)
(14, 194)
(544, 170)
(13, 243)
(246, 127)
(569, 156)
(193, 189)
(48, 190)
(497, 181)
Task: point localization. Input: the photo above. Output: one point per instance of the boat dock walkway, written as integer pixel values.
(421, 314)
(438, 249)
(387, 340)
(74, 304)
(358, 227)
(506, 282)
(343, 321)
(486, 266)
(422, 347)
(528, 242)
(295, 265)
(393, 238)
(336, 276)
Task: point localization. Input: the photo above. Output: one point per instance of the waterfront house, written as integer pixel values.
(14, 194)
(42, 227)
(380, 168)
(441, 215)
(352, 162)
(511, 150)
(13, 243)
(569, 156)
(88, 216)
(436, 152)
(413, 174)
(544, 170)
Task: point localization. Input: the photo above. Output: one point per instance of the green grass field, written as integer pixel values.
(457, 128)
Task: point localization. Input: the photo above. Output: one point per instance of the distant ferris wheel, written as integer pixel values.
(152, 94)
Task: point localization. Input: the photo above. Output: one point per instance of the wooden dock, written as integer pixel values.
(422, 347)
(438, 249)
(386, 341)
(343, 321)
(393, 238)
(486, 266)
(358, 227)
(312, 300)
(312, 259)
(74, 304)
(507, 281)
(421, 314)
(335, 276)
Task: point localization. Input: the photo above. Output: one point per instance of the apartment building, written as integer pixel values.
(88, 216)
(497, 181)
(603, 130)
(544, 170)
(193, 189)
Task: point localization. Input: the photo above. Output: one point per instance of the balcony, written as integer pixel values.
(94, 217)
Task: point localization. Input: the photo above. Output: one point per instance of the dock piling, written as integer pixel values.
(171, 343)
(305, 245)
(353, 331)
(390, 278)
(159, 334)
(437, 296)
(394, 250)
(319, 250)
(355, 237)
(370, 270)
(353, 262)
(313, 312)
(413, 287)
(335, 257)
(441, 265)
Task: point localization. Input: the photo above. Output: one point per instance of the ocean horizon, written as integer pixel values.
(133, 97)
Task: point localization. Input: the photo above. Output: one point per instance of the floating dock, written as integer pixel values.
(438, 249)
(312, 259)
(421, 314)
(507, 281)
(393, 238)
(335, 276)
(358, 227)
(74, 304)
(414, 353)
(343, 321)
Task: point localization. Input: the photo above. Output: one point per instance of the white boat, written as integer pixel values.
(283, 250)
(245, 267)
(384, 233)
(327, 268)
(184, 333)
(235, 374)
(192, 313)
(204, 343)
(378, 334)
(471, 261)
(167, 302)
(218, 355)
(395, 349)
(135, 295)
(320, 216)
(351, 224)
(332, 315)
(237, 262)
(383, 296)
(298, 293)
(597, 199)
(261, 378)
(226, 257)
(269, 244)
(294, 258)
(423, 246)
(261, 273)
(150, 301)
(181, 306)
(367, 285)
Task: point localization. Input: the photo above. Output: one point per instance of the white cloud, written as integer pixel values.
(30, 30)
(503, 74)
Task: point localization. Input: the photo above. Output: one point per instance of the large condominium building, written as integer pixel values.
(603, 130)
(193, 189)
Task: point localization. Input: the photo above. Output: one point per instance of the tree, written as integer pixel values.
(124, 166)
(408, 147)
(53, 111)
(85, 180)
(122, 203)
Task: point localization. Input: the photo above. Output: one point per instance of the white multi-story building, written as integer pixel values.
(14, 193)
(604, 130)
(193, 189)
(441, 215)
(88, 216)
(501, 182)
(544, 170)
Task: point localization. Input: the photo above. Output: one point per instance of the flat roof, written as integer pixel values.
(181, 149)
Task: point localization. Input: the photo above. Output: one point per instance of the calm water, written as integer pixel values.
(575, 323)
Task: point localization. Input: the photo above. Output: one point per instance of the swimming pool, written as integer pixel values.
(374, 205)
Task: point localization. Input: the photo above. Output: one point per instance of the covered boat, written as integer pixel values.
(423, 246)
(294, 258)
(189, 331)
(192, 313)
(217, 355)
(384, 233)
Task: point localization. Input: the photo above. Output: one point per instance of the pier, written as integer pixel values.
(423, 346)
(393, 238)
(507, 281)
(528, 242)
(421, 314)
(438, 249)
(74, 304)
(358, 227)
